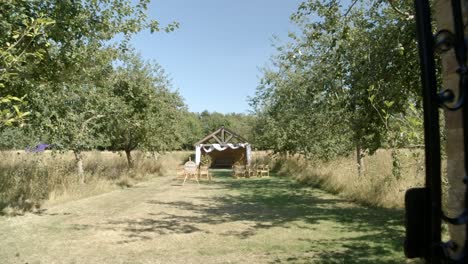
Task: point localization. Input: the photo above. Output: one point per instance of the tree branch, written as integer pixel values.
(398, 11)
(350, 7)
(85, 123)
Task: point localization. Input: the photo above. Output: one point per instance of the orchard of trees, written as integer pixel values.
(64, 81)
(346, 82)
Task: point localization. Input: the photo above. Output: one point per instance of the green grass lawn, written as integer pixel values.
(315, 225)
(256, 220)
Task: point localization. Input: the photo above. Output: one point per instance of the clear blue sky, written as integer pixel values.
(215, 55)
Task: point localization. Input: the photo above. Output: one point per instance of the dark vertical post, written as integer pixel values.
(431, 130)
(460, 52)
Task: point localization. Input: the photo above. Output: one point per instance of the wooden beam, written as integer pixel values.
(217, 139)
(222, 130)
(229, 138)
(208, 137)
(241, 139)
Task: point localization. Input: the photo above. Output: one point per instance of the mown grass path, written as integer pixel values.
(269, 220)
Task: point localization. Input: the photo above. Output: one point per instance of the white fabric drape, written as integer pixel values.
(248, 152)
(197, 155)
(210, 147)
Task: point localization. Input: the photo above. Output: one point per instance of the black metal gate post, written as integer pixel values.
(424, 213)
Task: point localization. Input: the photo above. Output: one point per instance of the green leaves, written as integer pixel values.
(154, 26)
(388, 104)
(350, 87)
(145, 113)
(10, 111)
(59, 53)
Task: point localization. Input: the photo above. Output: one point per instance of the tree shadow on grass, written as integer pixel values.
(147, 228)
(275, 202)
(135, 230)
(354, 250)
(378, 232)
(361, 234)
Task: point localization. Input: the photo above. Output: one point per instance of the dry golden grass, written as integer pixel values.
(377, 186)
(29, 179)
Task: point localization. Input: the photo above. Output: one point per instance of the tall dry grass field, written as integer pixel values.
(29, 179)
(378, 186)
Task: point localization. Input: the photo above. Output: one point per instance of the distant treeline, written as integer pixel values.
(193, 126)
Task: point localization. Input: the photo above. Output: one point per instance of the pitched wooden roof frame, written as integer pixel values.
(220, 136)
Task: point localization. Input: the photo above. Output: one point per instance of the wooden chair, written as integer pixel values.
(191, 171)
(238, 171)
(263, 170)
(250, 171)
(204, 171)
(258, 169)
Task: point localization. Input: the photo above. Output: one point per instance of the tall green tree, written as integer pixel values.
(212, 121)
(345, 82)
(192, 129)
(143, 112)
(23, 43)
(51, 42)
(55, 61)
(71, 119)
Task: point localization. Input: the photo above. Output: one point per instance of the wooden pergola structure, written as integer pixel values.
(224, 147)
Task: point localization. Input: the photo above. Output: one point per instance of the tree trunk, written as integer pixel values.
(129, 159)
(454, 128)
(359, 160)
(79, 166)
